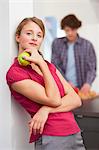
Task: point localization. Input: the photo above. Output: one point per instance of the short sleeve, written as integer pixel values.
(16, 74)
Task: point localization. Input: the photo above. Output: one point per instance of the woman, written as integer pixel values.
(44, 93)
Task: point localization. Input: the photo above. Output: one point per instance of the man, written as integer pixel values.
(74, 56)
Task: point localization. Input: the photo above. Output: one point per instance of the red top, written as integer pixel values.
(58, 124)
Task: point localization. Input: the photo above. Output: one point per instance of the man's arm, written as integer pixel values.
(91, 65)
(90, 69)
(55, 58)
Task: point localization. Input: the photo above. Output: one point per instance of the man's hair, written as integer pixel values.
(71, 21)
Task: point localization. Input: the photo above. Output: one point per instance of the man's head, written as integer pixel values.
(70, 25)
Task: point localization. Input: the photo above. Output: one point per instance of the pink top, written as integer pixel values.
(58, 124)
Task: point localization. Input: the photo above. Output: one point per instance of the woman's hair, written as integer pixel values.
(71, 21)
(26, 20)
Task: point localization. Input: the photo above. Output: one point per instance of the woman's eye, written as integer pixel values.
(28, 33)
(39, 36)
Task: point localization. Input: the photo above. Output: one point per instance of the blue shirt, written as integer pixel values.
(71, 68)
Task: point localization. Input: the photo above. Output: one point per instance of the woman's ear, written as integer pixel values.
(17, 37)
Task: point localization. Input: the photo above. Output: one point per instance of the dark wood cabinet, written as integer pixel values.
(87, 117)
(90, 131)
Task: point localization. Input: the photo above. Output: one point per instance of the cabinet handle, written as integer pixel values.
(80, 116)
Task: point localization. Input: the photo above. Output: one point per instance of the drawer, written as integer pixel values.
(88, 123)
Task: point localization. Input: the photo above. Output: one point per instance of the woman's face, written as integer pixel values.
(31, 36)
(71, 34)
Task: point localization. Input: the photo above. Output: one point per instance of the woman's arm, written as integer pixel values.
(48, 95)
(51, 88)
(69, 102)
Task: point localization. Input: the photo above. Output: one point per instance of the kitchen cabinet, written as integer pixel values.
(87, 117)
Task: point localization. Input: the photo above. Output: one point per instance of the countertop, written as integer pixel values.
(89, 108)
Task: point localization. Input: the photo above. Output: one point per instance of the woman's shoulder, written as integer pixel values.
(15, 68)
(16, 73)
(51, 66)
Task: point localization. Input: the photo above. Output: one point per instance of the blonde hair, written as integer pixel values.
(26, 20)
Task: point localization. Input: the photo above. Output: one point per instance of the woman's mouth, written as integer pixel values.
(33, 44)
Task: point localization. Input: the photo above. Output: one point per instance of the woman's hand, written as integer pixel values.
(35, 56)
(36, 124)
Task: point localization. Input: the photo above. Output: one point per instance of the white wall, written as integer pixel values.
(59, 8)
(18, 9)
(86, 10)
(5, 101)
(13, 119)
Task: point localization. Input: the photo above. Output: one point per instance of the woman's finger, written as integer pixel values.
(30, 130)
(30, 123)
(42, 127)
(38, 127)
(28, 50)
(35, 127)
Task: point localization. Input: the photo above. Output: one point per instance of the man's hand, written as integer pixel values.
(85, 88)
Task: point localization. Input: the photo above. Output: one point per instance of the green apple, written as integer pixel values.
(21, 60)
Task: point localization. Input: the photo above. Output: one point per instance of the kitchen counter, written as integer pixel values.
(89, 108)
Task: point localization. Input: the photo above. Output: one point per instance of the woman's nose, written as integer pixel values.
(34, 37)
